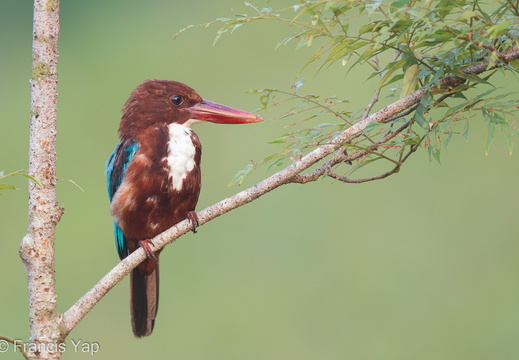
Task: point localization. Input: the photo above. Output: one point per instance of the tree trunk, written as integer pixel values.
(37, 247)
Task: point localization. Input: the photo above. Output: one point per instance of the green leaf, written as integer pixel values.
(436, 154)
(297, 85)
(327, 124)
(419, 117)
(317, 55)
(490, 135)
(411, 139)
(459, 95)
(240, 175)
(411, 76)
(340, 50)
(466, 131)
(373, 6)
(364, 163)
(73, 183)
(280, 140)
(514, 65)
(7, 186)
(466, 15)
(427, 101)
(368, 53)
(470, 77)
(505, 127)
(277, 162)
(498, 29)
(390, 69)
(367, 28)
(24, 174)
(399, 3)
(444, 7)
(439, 37)
(449, 137)
(372, 126)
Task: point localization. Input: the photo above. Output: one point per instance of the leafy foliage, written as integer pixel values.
(408, 45)
(23, 173)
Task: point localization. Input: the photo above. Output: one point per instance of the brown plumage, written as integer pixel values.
(154, 176)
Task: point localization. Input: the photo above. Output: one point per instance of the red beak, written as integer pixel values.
(221, 114)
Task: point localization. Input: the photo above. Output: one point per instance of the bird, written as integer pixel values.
(154, 178)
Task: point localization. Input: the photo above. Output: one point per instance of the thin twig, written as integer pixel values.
(315, 102)
(376, 177)
(342, 157)
(359, 181)
(381, 75)
(16, 343)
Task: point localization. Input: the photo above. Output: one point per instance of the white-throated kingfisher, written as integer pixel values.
(153, 177)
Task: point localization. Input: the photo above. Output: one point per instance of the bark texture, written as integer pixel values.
(37, 247)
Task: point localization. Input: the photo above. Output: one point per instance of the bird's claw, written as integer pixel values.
(193, 218)
(145, 244)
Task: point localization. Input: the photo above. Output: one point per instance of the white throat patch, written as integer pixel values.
(181, 154)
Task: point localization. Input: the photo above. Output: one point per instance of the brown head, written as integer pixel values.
(165, 101)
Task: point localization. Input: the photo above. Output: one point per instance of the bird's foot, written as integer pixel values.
(193, 218)
(145, 244)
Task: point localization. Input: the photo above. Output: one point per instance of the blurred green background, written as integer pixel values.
(422, 265)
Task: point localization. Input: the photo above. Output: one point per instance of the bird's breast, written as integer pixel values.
(182, 146)
(161, 184)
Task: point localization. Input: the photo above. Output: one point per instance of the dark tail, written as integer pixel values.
(144, 301)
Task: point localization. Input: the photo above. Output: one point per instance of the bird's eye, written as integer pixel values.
(176, 100)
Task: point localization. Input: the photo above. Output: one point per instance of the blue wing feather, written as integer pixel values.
(116, 166)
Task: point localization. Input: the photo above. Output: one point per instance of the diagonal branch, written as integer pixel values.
(74, 315)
